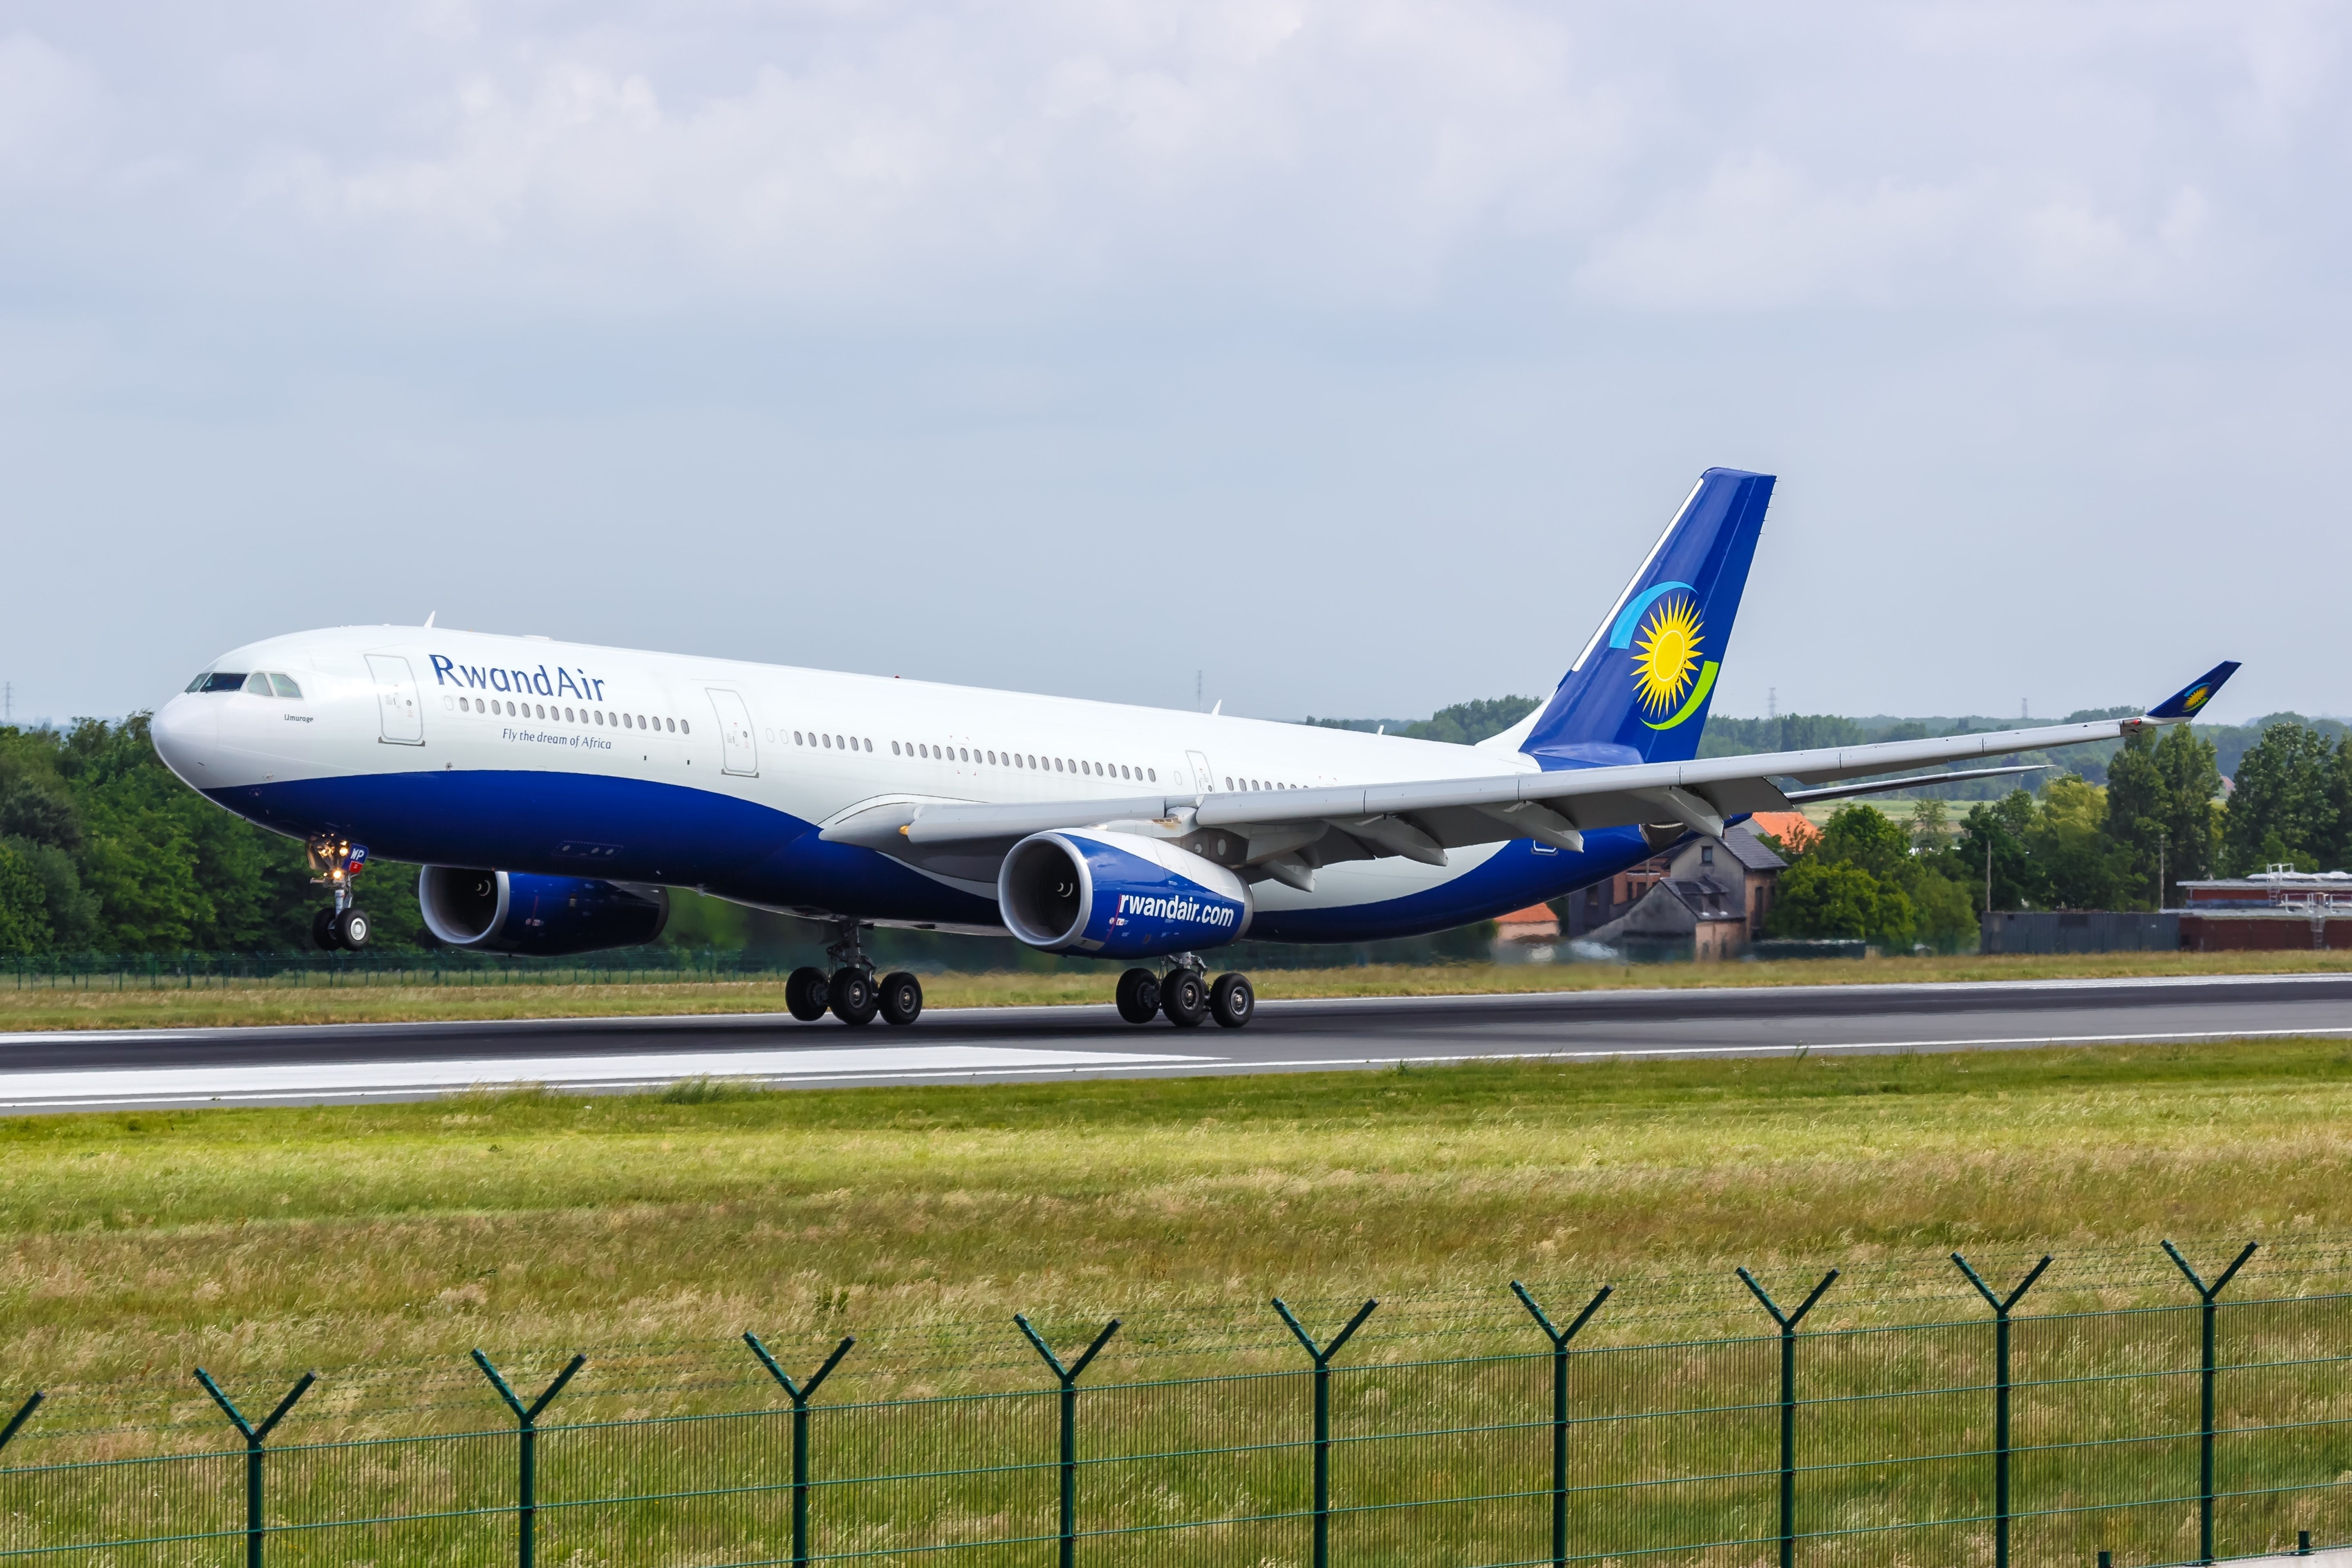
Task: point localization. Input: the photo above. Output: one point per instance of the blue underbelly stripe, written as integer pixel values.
(635, 830)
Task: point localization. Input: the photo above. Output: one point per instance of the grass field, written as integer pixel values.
(98, 1004)
(259, 1242)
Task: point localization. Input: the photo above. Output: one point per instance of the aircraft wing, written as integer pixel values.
(1287, 834)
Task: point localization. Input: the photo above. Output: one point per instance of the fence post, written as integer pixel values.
(1560, 1339)
(24, 1414)
(1321, 1356)
(526, 1427)
(1787, 1321)
(254, 1438)
(2205, 1295)
(2001, 1308)
(801, 1393)
(1069, 1375)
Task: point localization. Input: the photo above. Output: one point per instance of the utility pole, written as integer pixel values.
(1988, 873)
(2160, 872)
(1196, 691)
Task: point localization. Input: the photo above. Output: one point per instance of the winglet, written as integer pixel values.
(2186, 702)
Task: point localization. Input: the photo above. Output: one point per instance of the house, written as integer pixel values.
(1527, 936)
(1703, 900)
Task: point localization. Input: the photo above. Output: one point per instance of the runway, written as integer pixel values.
(349, 1063)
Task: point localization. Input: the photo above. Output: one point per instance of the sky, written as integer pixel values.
(1336, 359)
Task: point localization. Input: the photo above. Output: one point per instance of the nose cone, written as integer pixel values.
(186, 732)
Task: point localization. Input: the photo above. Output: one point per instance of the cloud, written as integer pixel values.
(51, 115)
(956, 159)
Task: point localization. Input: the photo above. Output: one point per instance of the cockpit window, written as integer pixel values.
(221, 680)
(257, 685)
(284, 685)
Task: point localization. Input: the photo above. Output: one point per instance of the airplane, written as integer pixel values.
(552, 793)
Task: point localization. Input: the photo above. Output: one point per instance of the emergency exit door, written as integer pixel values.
(395, 699)
(1202, 783)
(740, 749)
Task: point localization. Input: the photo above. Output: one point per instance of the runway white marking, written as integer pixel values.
(363, 1080)
(104, 1086)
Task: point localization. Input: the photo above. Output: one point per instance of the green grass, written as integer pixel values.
(144, 1002)
(381, 1243)
(408, 1233)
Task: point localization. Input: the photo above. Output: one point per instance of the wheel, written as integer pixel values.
(851, 997)
(805, 993)
(1232, 1002)
(322, 928)
(1184, 998)
(1139, 996)
(352, 928)
(900, 997)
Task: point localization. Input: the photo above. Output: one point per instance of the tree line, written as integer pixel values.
(2160, 819)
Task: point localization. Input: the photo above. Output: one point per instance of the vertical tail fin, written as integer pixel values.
(1640, 690)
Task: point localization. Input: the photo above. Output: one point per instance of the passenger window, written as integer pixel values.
(684, 728)
(1229, 782)
(828, 742)
(641, 720)
(673, 726)
(284, 687)
(1154, 773)
(600, 718)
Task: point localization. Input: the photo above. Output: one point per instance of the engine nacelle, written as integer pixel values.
(1117, 895)
(513, 912)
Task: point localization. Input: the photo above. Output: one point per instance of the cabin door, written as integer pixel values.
(395, 699)
(739, 748)
(1202, 783)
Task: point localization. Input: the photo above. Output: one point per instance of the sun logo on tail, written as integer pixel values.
(1666, 654)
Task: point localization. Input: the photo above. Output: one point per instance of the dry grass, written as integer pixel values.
(391, 1000)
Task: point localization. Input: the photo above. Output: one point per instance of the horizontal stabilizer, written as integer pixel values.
(1844, 791)
(2185, 703)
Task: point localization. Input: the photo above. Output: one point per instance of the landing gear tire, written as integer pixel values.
(353, 929)
(1232, 1002)
(322, 930)
(805, 996)
(1139, 996)
(1184, 997)
(853, 997)
(901, 998)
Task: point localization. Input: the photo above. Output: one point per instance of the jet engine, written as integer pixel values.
(513, 912)
(1117, 895)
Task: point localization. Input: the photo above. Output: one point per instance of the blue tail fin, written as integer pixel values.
(1639, 691)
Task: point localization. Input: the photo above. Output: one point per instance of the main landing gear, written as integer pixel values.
(850, 993)
(1187, 996)
(341, 925)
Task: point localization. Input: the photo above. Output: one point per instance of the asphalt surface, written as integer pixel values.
(354, 1062)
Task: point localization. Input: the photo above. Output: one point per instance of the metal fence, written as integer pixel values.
(2215, 1428)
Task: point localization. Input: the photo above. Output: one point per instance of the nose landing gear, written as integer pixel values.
(334, 862)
